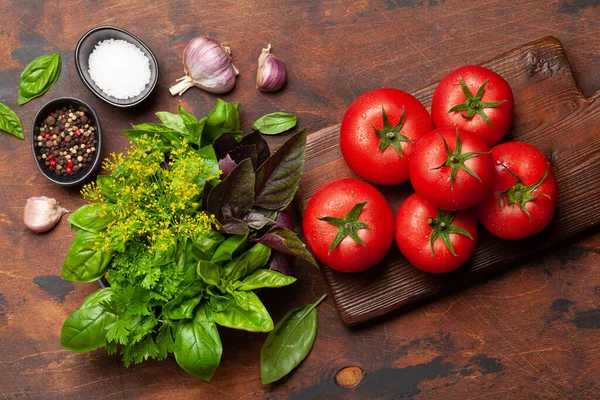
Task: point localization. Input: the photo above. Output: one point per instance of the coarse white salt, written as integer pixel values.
(119, 68)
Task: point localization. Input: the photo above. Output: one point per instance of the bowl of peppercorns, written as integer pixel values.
(67, 141)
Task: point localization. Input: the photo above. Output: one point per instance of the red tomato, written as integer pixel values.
(432, 239)
(378, 133)
(348, 225)
(523, 199)
(451, 174)
(474, 99)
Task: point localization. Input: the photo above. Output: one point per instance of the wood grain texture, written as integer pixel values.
(550, 113)
(530, 333)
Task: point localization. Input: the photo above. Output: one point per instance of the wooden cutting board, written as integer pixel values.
(550, 113)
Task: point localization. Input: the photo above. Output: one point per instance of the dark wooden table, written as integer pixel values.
(530, 332)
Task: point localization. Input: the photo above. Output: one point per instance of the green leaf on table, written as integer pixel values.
(83, 262)
(93, 217)
(255, 319)
(288, 242)
(274, 123)
(10, 122)
(277, 179)
(38, 76)
(289, 343)
(182, 306)
(198, 346)
(246, 263)
(223, 118)
(85, 329)
(265, 278)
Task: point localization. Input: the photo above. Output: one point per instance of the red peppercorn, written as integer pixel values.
(70, 164)
(68, 170)
(50, 156)
(52, 163)
(78, 132)
(48, 136)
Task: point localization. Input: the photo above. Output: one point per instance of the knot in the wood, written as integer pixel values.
(349, 377)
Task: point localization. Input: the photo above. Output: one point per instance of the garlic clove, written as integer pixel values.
(42, 214)
(271, 75)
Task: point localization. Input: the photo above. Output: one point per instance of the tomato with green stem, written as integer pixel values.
(451, 169)
(432, 239)
(348, 225)
(474, 99)
(378, 134)
(523, 199)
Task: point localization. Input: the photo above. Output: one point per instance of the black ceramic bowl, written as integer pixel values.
(86, 45)
(88, 171)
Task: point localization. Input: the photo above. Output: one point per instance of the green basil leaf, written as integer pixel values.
(193, 126)
(83, 262)
(38, 76)
(10, 122)
(84, 330)
(182, 306)
(163, 257)
(210, 163)
(210, 273)
(277, 179)
(244, 264)
(241, 299)
(225, 251)
(198, 346)
(255, 319)
(287, 242)
(186, 261)
(223, 118)
(234, 195)
(204, 246)
(274, 123)
(218, 302)
(93, 217)
(105, 183)
(188, 118)
(289, 343)
(265, 278)
(173, 121)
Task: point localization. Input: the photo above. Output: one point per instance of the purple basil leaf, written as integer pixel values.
(277, 179)
(286, 241)
(241, 153)
(284, 218)
(256, 220)
(262, 148)
(224, 144)
(226, 165)
(280, 262)
(234, 193)
(235, 226)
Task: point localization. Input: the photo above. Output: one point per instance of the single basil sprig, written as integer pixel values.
(274, 123)
(9, 122)
(38, 77)
(289, 343)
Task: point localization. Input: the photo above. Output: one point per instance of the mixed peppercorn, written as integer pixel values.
(66, 141)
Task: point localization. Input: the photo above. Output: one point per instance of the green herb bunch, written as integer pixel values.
(184, 229)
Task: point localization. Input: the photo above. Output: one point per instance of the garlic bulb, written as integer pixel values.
(42, 214)
(271, 75)
(208, 66)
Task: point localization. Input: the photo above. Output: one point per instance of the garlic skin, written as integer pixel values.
(271, 75)
(42, 214)
(208, 66)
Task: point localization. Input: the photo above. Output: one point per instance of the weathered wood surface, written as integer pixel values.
(530, 333)
(548, 109)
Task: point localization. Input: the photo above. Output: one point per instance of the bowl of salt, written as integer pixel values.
(116, 66)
